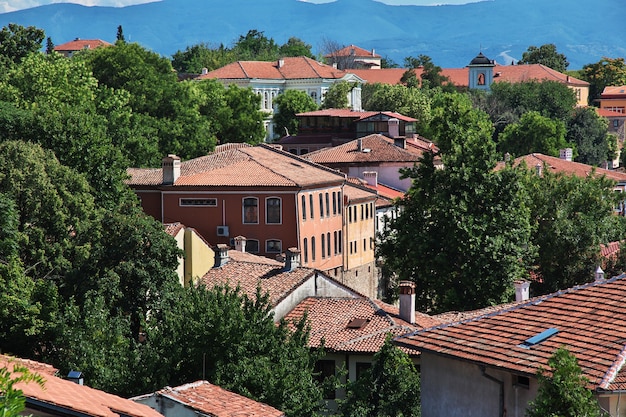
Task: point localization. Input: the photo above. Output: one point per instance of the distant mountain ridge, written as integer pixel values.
(451, 35)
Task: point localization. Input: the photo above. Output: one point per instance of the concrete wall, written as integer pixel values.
(199, 257)
(165, 406)
(388, 174)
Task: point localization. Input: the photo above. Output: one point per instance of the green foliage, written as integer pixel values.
(221, 335)
(17, 42)
(546, 55)
(196, 57)
(391, 387)
(244, 120)
(12, 401)
(255, 46)
(534, 133)
(589, 133)
(604, 73)
(386, 62)
(563, 392)
(337, 95)
(290, 103)
(464, 228)
(411, 102)
(120, 34)
(431, 74)
(295, 47)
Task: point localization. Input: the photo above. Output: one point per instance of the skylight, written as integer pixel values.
(538, 338)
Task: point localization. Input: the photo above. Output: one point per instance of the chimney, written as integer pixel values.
(205, 71)
(393, 126)
(599, 274)
(539, 169)
(76, 377)
(373, 52)
(334, 65)
(281, 63)
(240, 244)
(566, 154)
(371, 177)
(407, 301)
(522, 290)
(292, 260)
(507, 157)
(221, 255)
(171, 169)
(359, 144)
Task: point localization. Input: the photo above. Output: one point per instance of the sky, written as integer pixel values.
(14, 5)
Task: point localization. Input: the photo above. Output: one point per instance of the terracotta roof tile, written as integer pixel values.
(358, 193)
(352, 50)
(566, 167)
(261, 165)
(375, 148)
(589, 318)
(329, 319)
(65, 394)
(353, 114)
(173, 229)
(212, 400)
(291, 69)
(80, 44)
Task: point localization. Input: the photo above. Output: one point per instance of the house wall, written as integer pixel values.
(454, 388)
(166, 406)
(614, 104)
(151, 203)
(180, 243)
(388, 174)
(199, 257)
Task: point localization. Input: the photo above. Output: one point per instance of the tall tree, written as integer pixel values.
(255, 46)
(546, 55)
(290, 103)
(17, 41)
(563, 389)
(534, 133)
(431, 76)
(120, 34)
(197, 57)
(391, 387)
(589, 132)
(49, 46)
(337, 95)
(243, 121)
(295, 47)
(604, 73)
(412, 102)
(462, 229)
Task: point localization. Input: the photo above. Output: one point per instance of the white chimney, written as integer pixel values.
(205, 71)
(281, 63)
(566, 154)
(171, 169)
(221, 255)
(240, 244)
(407, 301)
(393, 127)
(292, 260)
(539, 169)
(599, 274)
(371, 177)
(522, 290)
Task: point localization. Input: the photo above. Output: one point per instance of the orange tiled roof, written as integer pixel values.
(212, 400)
(329, 318)
(355, 51)
(609, 113)
(80, 44)
(249, 271)
(292, 68)
(172, 229)
(261, 166)
(460, 76)
(353, 114)
(610, 249)
(375, 148)
(590, 320)
(566, 167)
(72, 397)
(614, 92)
(358, 194)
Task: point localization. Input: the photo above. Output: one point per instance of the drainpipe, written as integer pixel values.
(484, 373)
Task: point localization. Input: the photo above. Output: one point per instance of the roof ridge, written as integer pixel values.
(614, 369)
(300, 159)
(243, 69)
(368, 336)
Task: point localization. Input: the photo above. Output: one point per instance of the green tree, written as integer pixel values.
(290, 103)
(391, 387)
(243, 121)
(534, 133)
(412, 102)
(295, 47)
(337, 95)
(604, 73)
(563, 389)
(386, 62)
(464, 228)
(431, 76)
(17, 42)
(12, 400)
(589, 133)
(196, 57)
(49, 46)
(120, 34)
(255, 46)
(546, 55)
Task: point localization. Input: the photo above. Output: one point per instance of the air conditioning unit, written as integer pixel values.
(222, 230)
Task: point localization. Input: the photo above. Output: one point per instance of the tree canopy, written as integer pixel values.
(290, 103)
(546, 55)
(604, 73)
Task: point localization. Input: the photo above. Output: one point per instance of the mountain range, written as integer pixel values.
(583, 30)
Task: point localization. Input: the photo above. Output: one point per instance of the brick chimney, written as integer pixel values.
(566, 154)
(221, 255)
(240, 244)
(371, 177)
(171, 169)
(522, 290)
(292, 259)
(407, 301)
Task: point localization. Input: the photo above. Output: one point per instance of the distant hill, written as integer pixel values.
(583, 30)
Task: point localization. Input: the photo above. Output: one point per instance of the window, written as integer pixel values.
(334, 203)
(305, 246)
(321, 205)
(521, 381)
(481, 79)
(273, 246)
(615, 123)
(349, 215)
(324, 369)
(364, 245)
(335, 241)
(328, 244)
(361, 367)
(313, 248)
(362, 210)
(252, 246)
(340, 241)
(191, 202)
(314, 95)
(311, 204)
(273, 212)
(323, 247)
(250, 210)
(303, 208)
(339, 202)
(327, 206)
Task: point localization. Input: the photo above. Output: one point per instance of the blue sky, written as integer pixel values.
(13, 5)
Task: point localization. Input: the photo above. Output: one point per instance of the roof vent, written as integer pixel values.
(532, 341)
(76, 377)
(357, 323)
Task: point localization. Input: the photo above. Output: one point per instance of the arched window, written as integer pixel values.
(273, 246)
(303, 208)
(250, 210)
(273, 210)
(313, 248)
(481, 79)
(305, 246)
